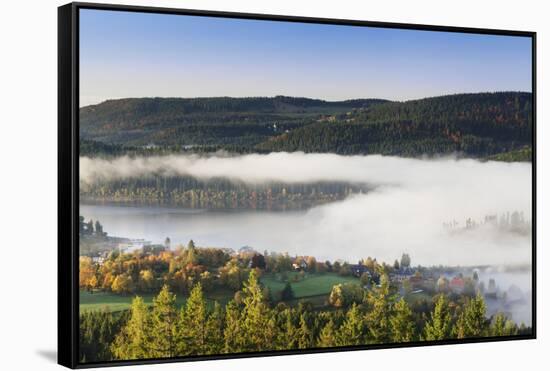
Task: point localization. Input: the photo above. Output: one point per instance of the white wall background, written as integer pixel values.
(28, 150)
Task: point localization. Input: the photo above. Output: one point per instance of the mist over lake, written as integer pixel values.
(406, 211)
(343, 202)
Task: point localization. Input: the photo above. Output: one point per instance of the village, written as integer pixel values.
(227, 271)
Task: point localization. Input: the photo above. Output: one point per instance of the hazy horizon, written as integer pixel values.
(302, 97)
(127, 54)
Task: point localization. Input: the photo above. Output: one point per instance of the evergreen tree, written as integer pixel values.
(396, 264)
(502, 326)
(164, 325)
(305, 335)
(287, 335)
(98, 330)
(439, 326)
(134, 339)
(380, 312)
(402, 322)
(255, 318)
(352, 330)
(193, 324)
(287, 293)
(327, 337)
(191, 257)
(232, 332)
(214, 331)
(405, 261)
(471, 321)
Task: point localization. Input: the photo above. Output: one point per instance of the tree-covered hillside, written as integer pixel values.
(203, 121)
(476, 125)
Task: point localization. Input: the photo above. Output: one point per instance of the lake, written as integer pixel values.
(326, 232)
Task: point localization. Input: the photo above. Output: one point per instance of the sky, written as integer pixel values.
(127, 54)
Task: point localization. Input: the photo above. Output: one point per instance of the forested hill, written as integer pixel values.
(477, 125)
(204, 121)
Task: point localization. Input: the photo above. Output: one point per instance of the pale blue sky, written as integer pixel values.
(127, 54)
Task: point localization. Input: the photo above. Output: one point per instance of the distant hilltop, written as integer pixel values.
(479, 125)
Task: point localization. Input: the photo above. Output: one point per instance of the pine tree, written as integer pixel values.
(287, 293)
(232, 332)
(402, 322)
(192, 326)
(132, 342)
(305, 335)
(255, 318)
(164, 325)
(439, 325)
(352, 331)
(502, 326)
(287, 334)
(214, 330)
(191, 257)
(471, 321)
(327, 337)
(380, 312)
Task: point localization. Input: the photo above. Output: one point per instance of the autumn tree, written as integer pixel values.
(345, 294)
(122, 284)
(146, 280)
(87, 272)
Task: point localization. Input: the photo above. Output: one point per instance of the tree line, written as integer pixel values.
(217, 193)
(146, 270)
(253, 325)
(477, 125)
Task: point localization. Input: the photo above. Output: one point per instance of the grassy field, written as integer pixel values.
(313, 284)
(114, 302)
(415, 298)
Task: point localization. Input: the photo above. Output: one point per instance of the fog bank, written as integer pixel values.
(405, 213)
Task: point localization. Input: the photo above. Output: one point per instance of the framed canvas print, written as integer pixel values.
(236, 185)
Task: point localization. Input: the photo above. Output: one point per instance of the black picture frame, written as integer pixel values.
(68, 177)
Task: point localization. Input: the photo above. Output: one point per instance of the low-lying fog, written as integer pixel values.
(404, 213)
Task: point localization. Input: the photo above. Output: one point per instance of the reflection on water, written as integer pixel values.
(215, 228)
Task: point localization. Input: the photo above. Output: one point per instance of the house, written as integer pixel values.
(457, 285)
(415, 281)
(299, 264)
(358, 270)
(98, 259)
(442, 284)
